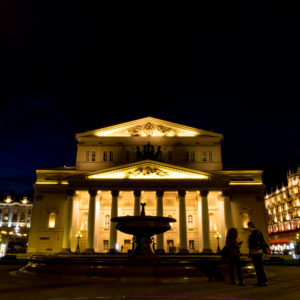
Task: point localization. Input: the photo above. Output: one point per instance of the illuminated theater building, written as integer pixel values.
(283, 208)
(175, 169)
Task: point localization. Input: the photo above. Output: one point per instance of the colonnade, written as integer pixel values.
(224, 205)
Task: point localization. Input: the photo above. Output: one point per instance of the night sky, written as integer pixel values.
(71, 66)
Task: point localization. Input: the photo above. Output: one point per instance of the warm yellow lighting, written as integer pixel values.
(78, 234)
(11, 233)
(244, 183)
(218, 235)
(8, 199)
(52, 182)
(25, 200)
(24, 234)
(4, 232)
(149, 170)
(51, 223)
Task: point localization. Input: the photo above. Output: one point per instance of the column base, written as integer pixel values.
(112, 251)
(65, 251)
(160, 251)
(207, 251)
(184, 251)
(89, 251)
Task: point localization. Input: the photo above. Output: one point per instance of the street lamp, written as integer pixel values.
(218, 236)
(78, 235)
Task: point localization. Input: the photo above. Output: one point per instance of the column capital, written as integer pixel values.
(93, 193)
(137, 193)
(159, 193)
(70, 192)
(115, 193)
(204, 193)
(226, 193)
(181, 193)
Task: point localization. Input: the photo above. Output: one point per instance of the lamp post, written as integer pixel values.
(218, 236)
(78, 235)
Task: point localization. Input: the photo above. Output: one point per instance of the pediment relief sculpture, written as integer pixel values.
(147, 171)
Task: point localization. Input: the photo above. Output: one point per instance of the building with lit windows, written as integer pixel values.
(283, 207)
(175, 169)
(15, 219)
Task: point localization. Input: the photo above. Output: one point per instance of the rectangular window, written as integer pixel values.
(106, 222)
(186, 155)
(170, 155)
(15, 217)
(191, 245)
(127, 156)
(105, 244)
(111, 156)
(93, 155)
(204, 158)
(193, 156)
(51, 223)
(105, 156)
(210, 155)
(87, 156)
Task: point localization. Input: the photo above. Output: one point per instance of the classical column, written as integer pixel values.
(68, 222)
(222, 229)
(91, 222)
(137, 203)
(227, 210)
(182, 223)
(159, 212)
(205, 221)
(114, 213)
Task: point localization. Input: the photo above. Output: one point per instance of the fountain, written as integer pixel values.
(143, 228)
(143, 265)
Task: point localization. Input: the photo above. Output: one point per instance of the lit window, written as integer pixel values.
(190, 221)
(210, 155)
(204, 158)
(170, 155)
(51, 223)
(105, 244)
(87, 156)
(191, 245)
(186, 155)
(106, 222)
(193, 156)
(93, 155)
(105, 156)
(111, 156)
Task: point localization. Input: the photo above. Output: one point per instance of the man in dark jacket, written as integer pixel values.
(256, 244)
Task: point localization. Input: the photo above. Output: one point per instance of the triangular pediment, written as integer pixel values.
(148, 169)
(148, 127)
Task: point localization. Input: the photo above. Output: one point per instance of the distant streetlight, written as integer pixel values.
(78, 235)
(218, 236)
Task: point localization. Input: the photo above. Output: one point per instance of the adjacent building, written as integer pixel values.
(175, 169)
(15, 219)
(283, 207)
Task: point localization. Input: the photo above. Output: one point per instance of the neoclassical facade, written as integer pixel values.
(175, 169)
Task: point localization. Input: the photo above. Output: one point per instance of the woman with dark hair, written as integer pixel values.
(233, 247)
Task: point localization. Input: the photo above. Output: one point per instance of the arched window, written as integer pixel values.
(245, 214)
(190, 222)
(106, 222)
(51, 223)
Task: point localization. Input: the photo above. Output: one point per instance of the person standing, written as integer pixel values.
(256, 244)
(233, 250)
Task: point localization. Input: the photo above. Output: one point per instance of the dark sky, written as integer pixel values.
(71, 66)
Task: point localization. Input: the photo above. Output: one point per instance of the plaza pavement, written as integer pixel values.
(284, 284)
